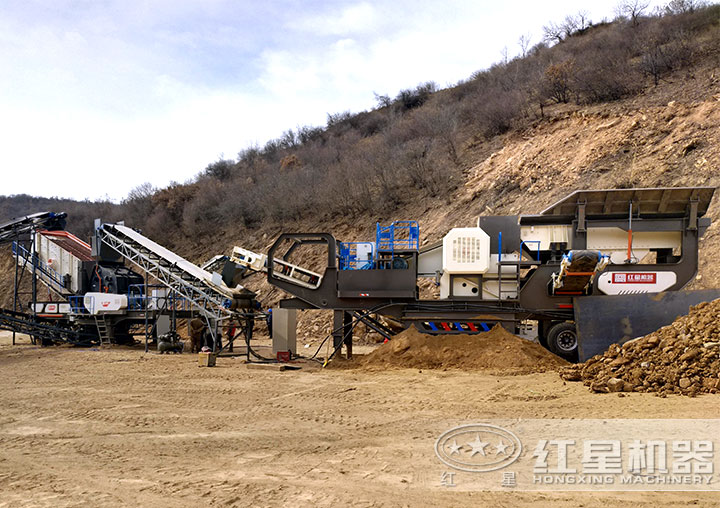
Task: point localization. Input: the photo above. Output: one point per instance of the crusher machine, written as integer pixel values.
(596, 268)
(94, 296)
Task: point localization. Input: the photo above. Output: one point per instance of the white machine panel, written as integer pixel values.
(157, 299)
(546, 235)
(461, 286)
(249, 258)
(103, 303)
(64, 263)
(365, 252)
(624, 283)
(468, 287)
(52, 308)
(430, 261)
(466, 250)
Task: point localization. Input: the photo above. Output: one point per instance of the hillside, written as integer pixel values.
(503, 142)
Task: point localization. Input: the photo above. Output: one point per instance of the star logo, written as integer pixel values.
(500, 448)
(454, 448)
(478, 446)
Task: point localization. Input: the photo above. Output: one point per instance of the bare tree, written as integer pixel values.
(569, 26)
(556, 82)
(683, 6)
(583, 19)
(524, 43)
(382, 101)
(632, 10)
(504, 54)
(552, 32)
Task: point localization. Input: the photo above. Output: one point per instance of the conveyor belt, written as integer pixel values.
(22, 225)
(211, 298)
(25, 323)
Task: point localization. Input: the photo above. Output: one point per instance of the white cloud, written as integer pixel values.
(352, 19)
(113, 94)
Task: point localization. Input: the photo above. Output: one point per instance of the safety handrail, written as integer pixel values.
(41, 265)
(387, 236)
(525, 242)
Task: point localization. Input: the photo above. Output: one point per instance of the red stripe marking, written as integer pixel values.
(472, 327)
(445, 325)
(565, 305)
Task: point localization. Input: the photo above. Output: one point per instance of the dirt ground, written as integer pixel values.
(118, 427)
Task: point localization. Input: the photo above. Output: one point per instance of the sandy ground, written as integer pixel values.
(118, 427)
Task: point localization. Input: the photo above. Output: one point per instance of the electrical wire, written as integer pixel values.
(246, 330)
(356, 321)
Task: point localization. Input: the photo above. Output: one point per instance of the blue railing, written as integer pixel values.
(40, 265)
(400, 235)
(353, 256)
(537, 253)
(137, 300)
(77, 304)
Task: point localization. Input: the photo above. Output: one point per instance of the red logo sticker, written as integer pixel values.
(634, 278)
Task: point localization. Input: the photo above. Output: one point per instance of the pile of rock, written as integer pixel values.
(681, 358)
(496, 350)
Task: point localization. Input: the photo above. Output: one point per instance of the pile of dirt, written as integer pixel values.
(681, 358)
(496, 350)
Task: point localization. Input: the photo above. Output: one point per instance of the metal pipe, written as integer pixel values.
(499, 267)
(146, 305)
(33, 251)
(630, 237)
(15, 294)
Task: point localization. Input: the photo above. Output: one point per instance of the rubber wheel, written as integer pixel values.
(562, 340)
(543, 327)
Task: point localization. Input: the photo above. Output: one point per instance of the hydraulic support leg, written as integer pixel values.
(342, 331)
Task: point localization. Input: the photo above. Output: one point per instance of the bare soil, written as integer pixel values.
(118, 427)
(497, 351)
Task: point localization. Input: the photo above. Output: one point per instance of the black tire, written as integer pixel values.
(543, 328)
(562, 340)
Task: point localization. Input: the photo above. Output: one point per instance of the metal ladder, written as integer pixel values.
(104, 331)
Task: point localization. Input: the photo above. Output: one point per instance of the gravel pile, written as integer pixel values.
(681, 358)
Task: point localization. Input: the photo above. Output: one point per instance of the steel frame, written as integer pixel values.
(211, 306)
(198, 293)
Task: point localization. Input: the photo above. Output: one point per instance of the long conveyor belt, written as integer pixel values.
(212, 298)
(22, 225)
(21, 322)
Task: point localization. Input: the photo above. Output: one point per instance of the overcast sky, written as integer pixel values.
(99, 96)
